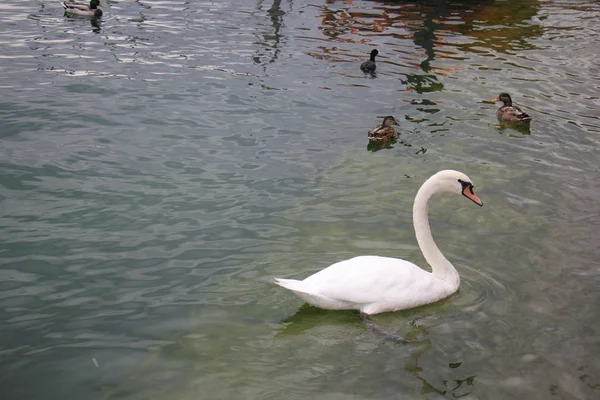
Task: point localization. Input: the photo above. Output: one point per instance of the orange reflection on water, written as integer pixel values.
(442, 29)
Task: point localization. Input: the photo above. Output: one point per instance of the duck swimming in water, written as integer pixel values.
(82, 9)
(384, 132)
(370, 66)
(510, 113)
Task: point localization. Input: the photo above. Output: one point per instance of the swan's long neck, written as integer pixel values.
(441, 267)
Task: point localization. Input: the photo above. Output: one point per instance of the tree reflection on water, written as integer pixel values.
(435, 26)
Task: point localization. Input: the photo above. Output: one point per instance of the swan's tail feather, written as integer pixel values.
(291, 284)
(310, 295)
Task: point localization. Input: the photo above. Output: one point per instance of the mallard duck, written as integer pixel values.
(384, 132)
(370, 66)
(86, 10)
(510, 113)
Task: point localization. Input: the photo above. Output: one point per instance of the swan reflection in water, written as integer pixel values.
(343, 327)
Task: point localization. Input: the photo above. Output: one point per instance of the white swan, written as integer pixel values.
(374, 284)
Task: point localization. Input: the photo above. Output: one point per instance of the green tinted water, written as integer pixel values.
(161, 165)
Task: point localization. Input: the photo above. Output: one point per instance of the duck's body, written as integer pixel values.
(374, 284)
(509, 112)
(384, 132)
(370, 66)
(81, 9)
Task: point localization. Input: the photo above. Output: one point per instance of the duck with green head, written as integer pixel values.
(509, 112)
(384, 132)
(86, 10)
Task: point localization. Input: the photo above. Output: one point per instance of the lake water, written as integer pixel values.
(160, 166)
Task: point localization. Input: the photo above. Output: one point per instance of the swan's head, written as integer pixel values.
(456, 182)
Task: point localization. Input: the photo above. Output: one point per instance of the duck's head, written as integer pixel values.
(389, 121)
(374, 52)
(505, 98)
(94, 5)
(456, 182)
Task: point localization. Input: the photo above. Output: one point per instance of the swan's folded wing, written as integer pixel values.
(369, 279)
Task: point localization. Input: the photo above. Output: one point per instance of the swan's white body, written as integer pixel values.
(374, 284)
(371, 284)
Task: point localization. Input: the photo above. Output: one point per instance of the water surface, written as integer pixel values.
(162, 164)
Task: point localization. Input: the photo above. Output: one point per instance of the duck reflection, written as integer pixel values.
(523, 129)
(96, 22)
(376, 146)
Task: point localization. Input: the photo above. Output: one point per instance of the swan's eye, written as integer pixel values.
(466, 185)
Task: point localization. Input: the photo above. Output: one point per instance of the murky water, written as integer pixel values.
(161, 165)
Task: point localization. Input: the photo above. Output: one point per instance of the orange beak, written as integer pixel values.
(468, 193)
(495, 100)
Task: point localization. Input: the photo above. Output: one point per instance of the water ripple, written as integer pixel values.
(160, 165)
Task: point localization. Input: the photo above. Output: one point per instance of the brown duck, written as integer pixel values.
(384, 132)
(510, 113)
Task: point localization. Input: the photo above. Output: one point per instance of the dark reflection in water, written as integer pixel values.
(272, 39)
(96, 22)
(308, 317)
(523, 129)
(446, 385)
(376, 146)
(429, 24)
(446, 380)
